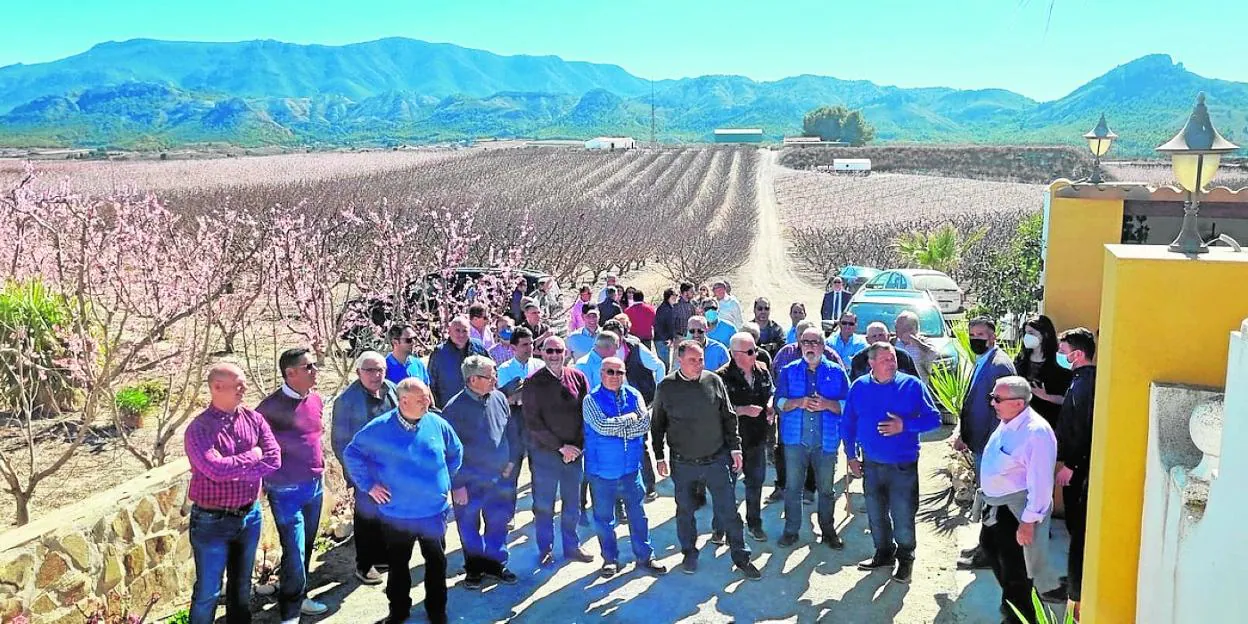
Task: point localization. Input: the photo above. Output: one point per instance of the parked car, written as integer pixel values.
(421, 296)
(855, 276)
(943, 289)
(883, 305)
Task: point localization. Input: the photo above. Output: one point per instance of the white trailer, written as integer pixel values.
(852, 166)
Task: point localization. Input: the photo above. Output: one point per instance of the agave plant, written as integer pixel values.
(951, 382)
(1044, 615)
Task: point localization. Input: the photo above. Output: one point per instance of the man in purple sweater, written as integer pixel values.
(231, 448)
(295, 493)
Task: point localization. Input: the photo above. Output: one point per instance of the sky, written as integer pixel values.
(967, 44)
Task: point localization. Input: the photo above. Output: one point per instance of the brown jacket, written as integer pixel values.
(552, 408)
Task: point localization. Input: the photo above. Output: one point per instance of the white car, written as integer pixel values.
(948, 295)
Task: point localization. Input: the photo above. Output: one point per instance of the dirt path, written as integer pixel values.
(769, 272)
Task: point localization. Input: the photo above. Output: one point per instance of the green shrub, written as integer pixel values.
(33, 354)
(133, 400)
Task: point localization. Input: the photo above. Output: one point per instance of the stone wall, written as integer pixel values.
(131, 539)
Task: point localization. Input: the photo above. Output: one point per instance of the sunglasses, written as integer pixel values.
(746, 351)
(611, 372)
(310, 367)
(552, 351)
(697, 331)
(811, 342)
(763, 308)
(848, 324)
(1001, 399)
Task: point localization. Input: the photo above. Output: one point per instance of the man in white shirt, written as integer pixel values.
(1016, 481)
(729, 306)
(511, 376)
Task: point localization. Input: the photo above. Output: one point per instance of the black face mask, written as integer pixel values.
(979, 346)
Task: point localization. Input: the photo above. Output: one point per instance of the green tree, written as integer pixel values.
(1005, 280)
(940, 250)
(837, 123)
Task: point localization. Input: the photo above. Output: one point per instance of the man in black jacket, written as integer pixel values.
(860, 365)
(1074, 452)
(749, 388)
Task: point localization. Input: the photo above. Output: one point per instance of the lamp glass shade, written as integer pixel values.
(1099, 146)
(1187, 166)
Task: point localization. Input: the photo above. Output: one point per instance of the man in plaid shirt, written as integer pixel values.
(231, 449)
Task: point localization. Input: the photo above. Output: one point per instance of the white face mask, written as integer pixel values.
(1031, 341)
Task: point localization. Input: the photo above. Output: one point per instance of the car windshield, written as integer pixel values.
(859, 272)
(931, 323)
(934, 281)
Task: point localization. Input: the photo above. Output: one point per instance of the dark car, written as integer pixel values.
(855, 276)
(364, 321)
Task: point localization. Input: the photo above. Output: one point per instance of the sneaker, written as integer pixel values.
(787, 540)
(833, 540)
(382, 567)
(902, 573)
(808, 496)
(719, 538)
(877, 562)
(621, 516)
(689, 564)
(652, 567)
(968, 552)
(749, 571)
(757, 534)
(578, 555)
(511, 526)
(368, 577)
(1056, 596)
(546, 559)
(505, 576)
(978, 561)
(776, 495)
(312, 607)
(473, 580)
(609, 569)
(652, 496)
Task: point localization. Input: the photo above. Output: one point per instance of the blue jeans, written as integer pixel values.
(797, 458)
(717, 477)
(489, 504)
(754, 472)
(663, 352)
(552, 476)
(222, 543)
(297, 515)
(892, 500)
(605, 493)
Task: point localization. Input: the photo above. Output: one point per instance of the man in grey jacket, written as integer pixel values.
(371, 395)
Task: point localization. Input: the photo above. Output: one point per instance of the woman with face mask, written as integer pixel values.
(1039, 362)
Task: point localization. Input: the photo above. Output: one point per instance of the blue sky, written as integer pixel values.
(955, 43)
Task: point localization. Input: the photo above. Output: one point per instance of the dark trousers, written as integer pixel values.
(716, 477)
(1076, 497)
(648, 477)
(892, 492)
(370, 548)
(552, 476)
(754, 472)
(482, 525)
(999, 543)
(400, 538)
(782, 470)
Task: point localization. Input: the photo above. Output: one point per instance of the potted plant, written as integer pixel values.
(132, 403)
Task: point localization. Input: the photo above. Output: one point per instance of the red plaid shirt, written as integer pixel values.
(229, 455)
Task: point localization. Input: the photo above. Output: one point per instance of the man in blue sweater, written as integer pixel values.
(616, 424)
(482, 489)
(404, 460)
(884, 415)
(809, 393)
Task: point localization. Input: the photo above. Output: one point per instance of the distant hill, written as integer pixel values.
(156, 94)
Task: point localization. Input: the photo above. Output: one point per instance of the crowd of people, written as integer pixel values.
(607, 395)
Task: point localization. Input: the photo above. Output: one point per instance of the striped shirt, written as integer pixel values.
(229, 454)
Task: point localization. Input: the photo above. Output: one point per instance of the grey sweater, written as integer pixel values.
(695, 417)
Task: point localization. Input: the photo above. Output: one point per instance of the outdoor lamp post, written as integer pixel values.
(1099, 140)
(1195, 152)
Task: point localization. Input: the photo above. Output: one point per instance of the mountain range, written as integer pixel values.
(149, 94)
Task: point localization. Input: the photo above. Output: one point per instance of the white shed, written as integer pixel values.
(611, 143)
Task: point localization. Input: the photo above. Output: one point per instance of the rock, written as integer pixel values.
(182, 548)
(53, 568)
(72, 589)
(17, 570)
(135, 561)
(43, 604)
(145, 514)
(170, 499)
(11, 608)
(122, 528)
(78, 549)
(166, 583)
(113, 574)
(159, 547)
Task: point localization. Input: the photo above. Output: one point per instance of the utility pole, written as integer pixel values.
(653, 143)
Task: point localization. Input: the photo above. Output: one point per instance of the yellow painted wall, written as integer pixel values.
(1181, 339)
(1078, 229)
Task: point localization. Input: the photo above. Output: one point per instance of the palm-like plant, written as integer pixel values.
(939, 250)
(1044, 615)
(951, 382)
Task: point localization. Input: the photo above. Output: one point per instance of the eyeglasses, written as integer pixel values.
(697, 331)
(746, 351)
(848, 324)
(811, 342)
(310, 367)
(490, 376)
(552, 351)
(1001, 399)
(373, 370)
(611, 372)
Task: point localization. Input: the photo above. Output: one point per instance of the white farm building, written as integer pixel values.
(611, 143)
